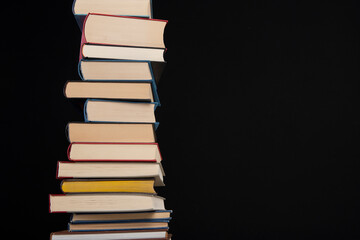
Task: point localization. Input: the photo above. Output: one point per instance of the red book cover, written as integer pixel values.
(57, 170)
(83, 38)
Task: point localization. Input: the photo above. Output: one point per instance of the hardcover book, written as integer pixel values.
(156, 216)
(120, 70)
(117, 226)
(115, 37)
(111, 235)
(136, 8)
(124, 170)
(105, 202)
(111, 132)
(131, 152)
(107, 185)
(110, 90)
(117, 111)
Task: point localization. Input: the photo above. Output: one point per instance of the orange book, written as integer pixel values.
(106, 186)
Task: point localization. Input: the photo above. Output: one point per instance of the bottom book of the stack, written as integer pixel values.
(112, 235)
(109, 216)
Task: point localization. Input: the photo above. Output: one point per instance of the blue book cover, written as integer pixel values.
(119, 9)
(116, 219)
(116, 229)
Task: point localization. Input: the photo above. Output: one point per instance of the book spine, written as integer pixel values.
(68, 151)
(67, 132)
(151, 10)
(85, 111)
(80, 20)
(64, 88)
(79, 70)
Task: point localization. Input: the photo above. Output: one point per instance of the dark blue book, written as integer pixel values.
(122, 217)
(133, 8)
(86, 227)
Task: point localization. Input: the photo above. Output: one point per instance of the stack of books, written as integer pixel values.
(114, 161)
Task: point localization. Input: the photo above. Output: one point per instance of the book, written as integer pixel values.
(109, 90)
(115, 111)
(121, 52)
(118, 37)
(123, 31)
(111, 132)
(107, 186)
(120, 70)
(136, 8)
(152, 216)
(111, 170)
(105, 202)
(132, 152)
(111, 235)
(117, 226)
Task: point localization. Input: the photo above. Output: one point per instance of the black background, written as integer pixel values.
(259, 124)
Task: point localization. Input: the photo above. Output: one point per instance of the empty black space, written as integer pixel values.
(259, 123)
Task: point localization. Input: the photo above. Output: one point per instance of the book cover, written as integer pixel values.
(131, 8)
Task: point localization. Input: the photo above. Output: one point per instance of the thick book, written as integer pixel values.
(107, 186)
(117, 226)
(120, 70)
(119, 111)
(149, 216)
(111, 132)
(110, 90)
(126, 152)
(111, 235)
(118, 37)
(135, 8)
(97, 170)
(104, 202)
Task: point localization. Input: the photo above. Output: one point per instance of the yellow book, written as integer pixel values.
(99, 186)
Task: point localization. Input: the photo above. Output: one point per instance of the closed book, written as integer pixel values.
(122, 52)
(107, 186)
(127, 152)
(109, 90)
(136, 8)
(111, 132)
(111, 170)
(111, 235)
(117, 226)
(118, 111)
(152, 216)
(118, 37)
(105, 202)
(120, 70)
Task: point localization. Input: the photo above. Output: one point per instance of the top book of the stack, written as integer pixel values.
(134, 8)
